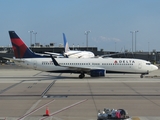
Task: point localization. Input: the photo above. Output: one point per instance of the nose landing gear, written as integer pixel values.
(142, 75)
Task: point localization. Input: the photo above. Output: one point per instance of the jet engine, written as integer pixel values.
(97, 73)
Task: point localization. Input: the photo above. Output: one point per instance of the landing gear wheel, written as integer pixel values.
(81, 76)
(141, 76)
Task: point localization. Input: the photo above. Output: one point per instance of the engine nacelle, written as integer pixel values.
(97, 73)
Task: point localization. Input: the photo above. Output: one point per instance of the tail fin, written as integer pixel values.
(19, 47)
(66, 46)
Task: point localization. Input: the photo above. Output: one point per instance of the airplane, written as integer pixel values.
(72, 53)
(75, 53)
(95, 67)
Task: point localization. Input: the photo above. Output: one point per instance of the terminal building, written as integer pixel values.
(153, 56)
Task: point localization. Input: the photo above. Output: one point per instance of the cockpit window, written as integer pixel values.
(148, 63)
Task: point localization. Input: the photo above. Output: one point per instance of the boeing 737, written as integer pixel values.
(95, 67)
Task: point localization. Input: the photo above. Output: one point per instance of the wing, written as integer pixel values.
(77, 68)
(54, 54)
(109, 55)
(58, 55)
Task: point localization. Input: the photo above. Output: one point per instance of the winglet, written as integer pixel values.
(66, 46)
(54, 61)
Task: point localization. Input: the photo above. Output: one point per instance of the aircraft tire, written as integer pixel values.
(81, 76)
(141, 76)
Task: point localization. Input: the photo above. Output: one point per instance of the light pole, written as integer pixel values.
(135, 39)
(30, 37)
(35, 33)
(132, 39)
(148, 47)
(86, 33)
(115, 47)
(73, 46)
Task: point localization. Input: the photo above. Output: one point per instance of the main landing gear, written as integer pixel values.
(141, 76)
(82, 75)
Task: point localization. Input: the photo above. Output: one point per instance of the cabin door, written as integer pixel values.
(139, 65)
(35, 64)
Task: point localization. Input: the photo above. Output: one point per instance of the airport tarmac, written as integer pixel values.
(26, 94)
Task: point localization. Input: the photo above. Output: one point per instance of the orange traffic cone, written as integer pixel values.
(47, 112)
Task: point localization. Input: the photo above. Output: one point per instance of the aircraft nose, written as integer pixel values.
(154, 67)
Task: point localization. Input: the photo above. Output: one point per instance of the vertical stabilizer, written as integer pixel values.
(66, 46)
(19, 47)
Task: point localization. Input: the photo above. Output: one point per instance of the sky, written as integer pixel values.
(110, 23)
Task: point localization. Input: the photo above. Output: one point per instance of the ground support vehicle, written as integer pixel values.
(113, 114)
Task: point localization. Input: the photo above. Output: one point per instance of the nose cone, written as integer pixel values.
(154, 67)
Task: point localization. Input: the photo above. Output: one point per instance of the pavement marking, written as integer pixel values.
(2, 91)
(47, 89)
(65, 108)
(109, 81)
(135, 118)
(38, 73)
(33, 107)
(25, 115)
(56, 118)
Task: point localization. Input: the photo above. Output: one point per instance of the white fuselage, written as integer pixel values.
(117, 65)
(79, 54)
